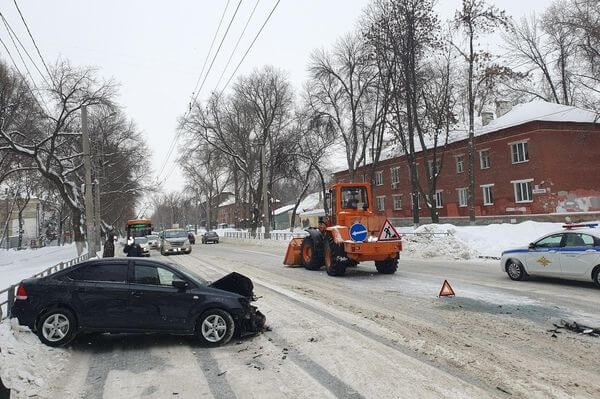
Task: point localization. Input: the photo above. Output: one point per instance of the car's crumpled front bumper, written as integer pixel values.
(252, 322)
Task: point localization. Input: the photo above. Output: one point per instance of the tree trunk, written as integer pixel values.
(77, 232)
(265, 194)
(471, 146)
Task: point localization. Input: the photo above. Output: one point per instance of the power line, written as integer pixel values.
(217, 52)
(33, 40)
(197, 93)
(20, 73)
(211, 47)
(7, 24)
(236, 45)
(236, 68)
(249, 47)
(177, 134)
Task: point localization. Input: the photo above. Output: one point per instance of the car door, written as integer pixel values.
(544, 256)
(579, 255)
(100, 294)
(154, 303)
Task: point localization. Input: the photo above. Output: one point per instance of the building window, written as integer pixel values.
(381, 203)
(462, 197)
(520, 152)
(484, 159)
(395, 173)
(439, 198)
(460, 163)
(379, 178)
(523, 191)
(397, 202)
(434, 171)
(488, 197)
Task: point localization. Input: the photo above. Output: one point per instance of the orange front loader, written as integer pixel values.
(346, 236)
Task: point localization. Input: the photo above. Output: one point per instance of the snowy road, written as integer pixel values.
(364, 335)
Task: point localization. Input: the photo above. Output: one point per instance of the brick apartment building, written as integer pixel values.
(538, 160)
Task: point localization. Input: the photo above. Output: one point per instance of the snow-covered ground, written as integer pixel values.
(455, 242)
(17, 265)
(25, 362)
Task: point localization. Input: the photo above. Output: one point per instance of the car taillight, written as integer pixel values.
(21, 293)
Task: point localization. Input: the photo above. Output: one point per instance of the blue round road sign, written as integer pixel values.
(358, 232)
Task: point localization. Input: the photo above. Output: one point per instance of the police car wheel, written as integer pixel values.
(515, 270)
(596, 275)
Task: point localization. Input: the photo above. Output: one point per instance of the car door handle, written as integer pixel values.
(137, 294)
(590, 250)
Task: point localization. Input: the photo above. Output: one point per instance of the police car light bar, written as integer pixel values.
(575, 226)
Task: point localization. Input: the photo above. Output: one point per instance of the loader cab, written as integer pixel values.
(349, 200)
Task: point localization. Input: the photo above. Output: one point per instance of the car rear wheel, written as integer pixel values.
(515, 270)
(56, 327)
(215, 327)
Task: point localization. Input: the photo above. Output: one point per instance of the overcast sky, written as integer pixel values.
(156, 49)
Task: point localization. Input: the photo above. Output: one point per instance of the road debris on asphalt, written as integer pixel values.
(575, 327)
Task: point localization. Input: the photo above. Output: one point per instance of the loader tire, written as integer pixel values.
(388, 266)
(310, 256)
(333, 258)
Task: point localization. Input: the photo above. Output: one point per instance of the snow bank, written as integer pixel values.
(467, 242)
(25, 361)
(18, 265)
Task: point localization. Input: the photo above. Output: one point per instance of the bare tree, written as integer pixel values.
(475, 18)
(343, 88)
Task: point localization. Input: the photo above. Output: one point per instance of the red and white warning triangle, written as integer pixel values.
(388, 232)
(446, 289)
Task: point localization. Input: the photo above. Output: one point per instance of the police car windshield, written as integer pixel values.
(354, 198)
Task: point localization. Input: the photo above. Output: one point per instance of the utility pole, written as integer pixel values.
(7, 220)
(265, 192)
(98, 235)
(87, 163)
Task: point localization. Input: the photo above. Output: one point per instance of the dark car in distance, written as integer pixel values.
(210, 236)
(136, 295)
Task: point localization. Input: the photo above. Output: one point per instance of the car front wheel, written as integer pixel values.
(515, 270)
(597, 276)
(215, 327)
(56, 327)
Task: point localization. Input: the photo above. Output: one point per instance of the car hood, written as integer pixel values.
(176, 239)
(236, 283)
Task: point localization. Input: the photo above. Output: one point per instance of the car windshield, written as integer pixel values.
(152, 237)
(175, 234)
(141, 240)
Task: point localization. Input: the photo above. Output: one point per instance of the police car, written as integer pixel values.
(572, 253)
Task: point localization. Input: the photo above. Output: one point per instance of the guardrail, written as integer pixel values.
(258, 236)
(11, 290)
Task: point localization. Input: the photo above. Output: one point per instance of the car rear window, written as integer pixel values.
(108, 272)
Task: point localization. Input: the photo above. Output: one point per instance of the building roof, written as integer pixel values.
(519, 114)
(283, 209)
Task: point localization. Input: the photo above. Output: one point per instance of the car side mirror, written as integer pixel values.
(531, 245)
(179, 284)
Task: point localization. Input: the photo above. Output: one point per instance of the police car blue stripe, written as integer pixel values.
(564, 249)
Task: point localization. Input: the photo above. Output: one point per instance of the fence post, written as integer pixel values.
(11, 298)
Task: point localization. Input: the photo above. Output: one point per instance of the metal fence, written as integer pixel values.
(11, 291)
(259, 236)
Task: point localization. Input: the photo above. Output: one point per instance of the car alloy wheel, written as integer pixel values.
(214, 328)
(514, 270)
(56, 327)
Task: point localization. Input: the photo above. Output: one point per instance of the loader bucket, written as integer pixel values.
(293, 255)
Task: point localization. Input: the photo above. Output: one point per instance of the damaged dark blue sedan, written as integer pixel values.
(134, 295)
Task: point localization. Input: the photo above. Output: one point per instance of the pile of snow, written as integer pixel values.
(25, 361)
(467, 242)
(18, 265)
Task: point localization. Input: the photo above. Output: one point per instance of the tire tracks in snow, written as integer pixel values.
(366, 333)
